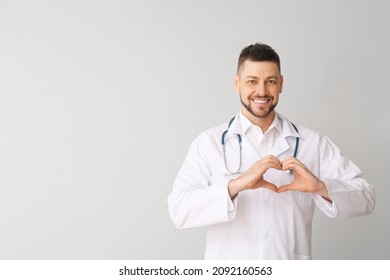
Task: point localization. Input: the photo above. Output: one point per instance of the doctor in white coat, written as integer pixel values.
(255, 181)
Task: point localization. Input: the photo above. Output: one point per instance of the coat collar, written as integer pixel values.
(283, 125)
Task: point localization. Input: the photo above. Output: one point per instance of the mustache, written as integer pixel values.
(263, 96)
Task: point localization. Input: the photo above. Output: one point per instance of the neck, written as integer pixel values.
(264, 123)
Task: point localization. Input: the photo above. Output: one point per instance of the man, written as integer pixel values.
(258, 200)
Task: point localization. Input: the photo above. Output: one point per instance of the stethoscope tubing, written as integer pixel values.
(239, 138)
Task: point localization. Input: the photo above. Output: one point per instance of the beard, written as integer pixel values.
(259, 112)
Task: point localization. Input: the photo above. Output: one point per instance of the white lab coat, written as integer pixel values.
(262, 224)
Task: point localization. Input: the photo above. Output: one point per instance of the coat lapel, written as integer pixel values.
(287, 139)
(280, 147)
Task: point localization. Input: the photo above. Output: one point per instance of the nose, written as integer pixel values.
(261, 89)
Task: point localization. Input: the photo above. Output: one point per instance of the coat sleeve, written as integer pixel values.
(194, 201)
(351, 194)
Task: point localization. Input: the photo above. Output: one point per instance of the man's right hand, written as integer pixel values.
(253, 177)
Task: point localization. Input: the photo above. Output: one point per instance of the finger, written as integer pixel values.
(270, 158)
(287, 159)
(290, 160)
(275, 165)
(293, 165)
(264, 166)
(271, 161)
(290, 165)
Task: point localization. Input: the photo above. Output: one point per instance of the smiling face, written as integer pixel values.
(259, 84)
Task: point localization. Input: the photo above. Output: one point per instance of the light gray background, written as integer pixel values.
(100, 100)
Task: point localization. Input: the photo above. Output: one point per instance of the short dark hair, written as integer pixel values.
(258, 52)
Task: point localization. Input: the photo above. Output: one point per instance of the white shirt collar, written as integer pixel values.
(246, 123)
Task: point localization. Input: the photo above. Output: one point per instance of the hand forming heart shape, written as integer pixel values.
(303, 179)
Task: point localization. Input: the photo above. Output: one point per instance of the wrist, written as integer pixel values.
(323, 191)
(233, 188)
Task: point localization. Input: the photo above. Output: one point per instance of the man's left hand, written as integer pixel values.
(304, 179)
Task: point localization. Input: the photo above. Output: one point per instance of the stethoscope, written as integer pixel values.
(239, 138)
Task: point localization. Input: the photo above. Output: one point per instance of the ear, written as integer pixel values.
(281, 84)
(236, 83)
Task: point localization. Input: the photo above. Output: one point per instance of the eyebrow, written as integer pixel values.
(256, 78)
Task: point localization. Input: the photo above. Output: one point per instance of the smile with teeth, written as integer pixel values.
(261, 101)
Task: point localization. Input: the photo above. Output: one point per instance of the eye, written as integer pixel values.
(272, 82)
(252, 82)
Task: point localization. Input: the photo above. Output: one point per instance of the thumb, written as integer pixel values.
(285, 188)
(268, 185)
